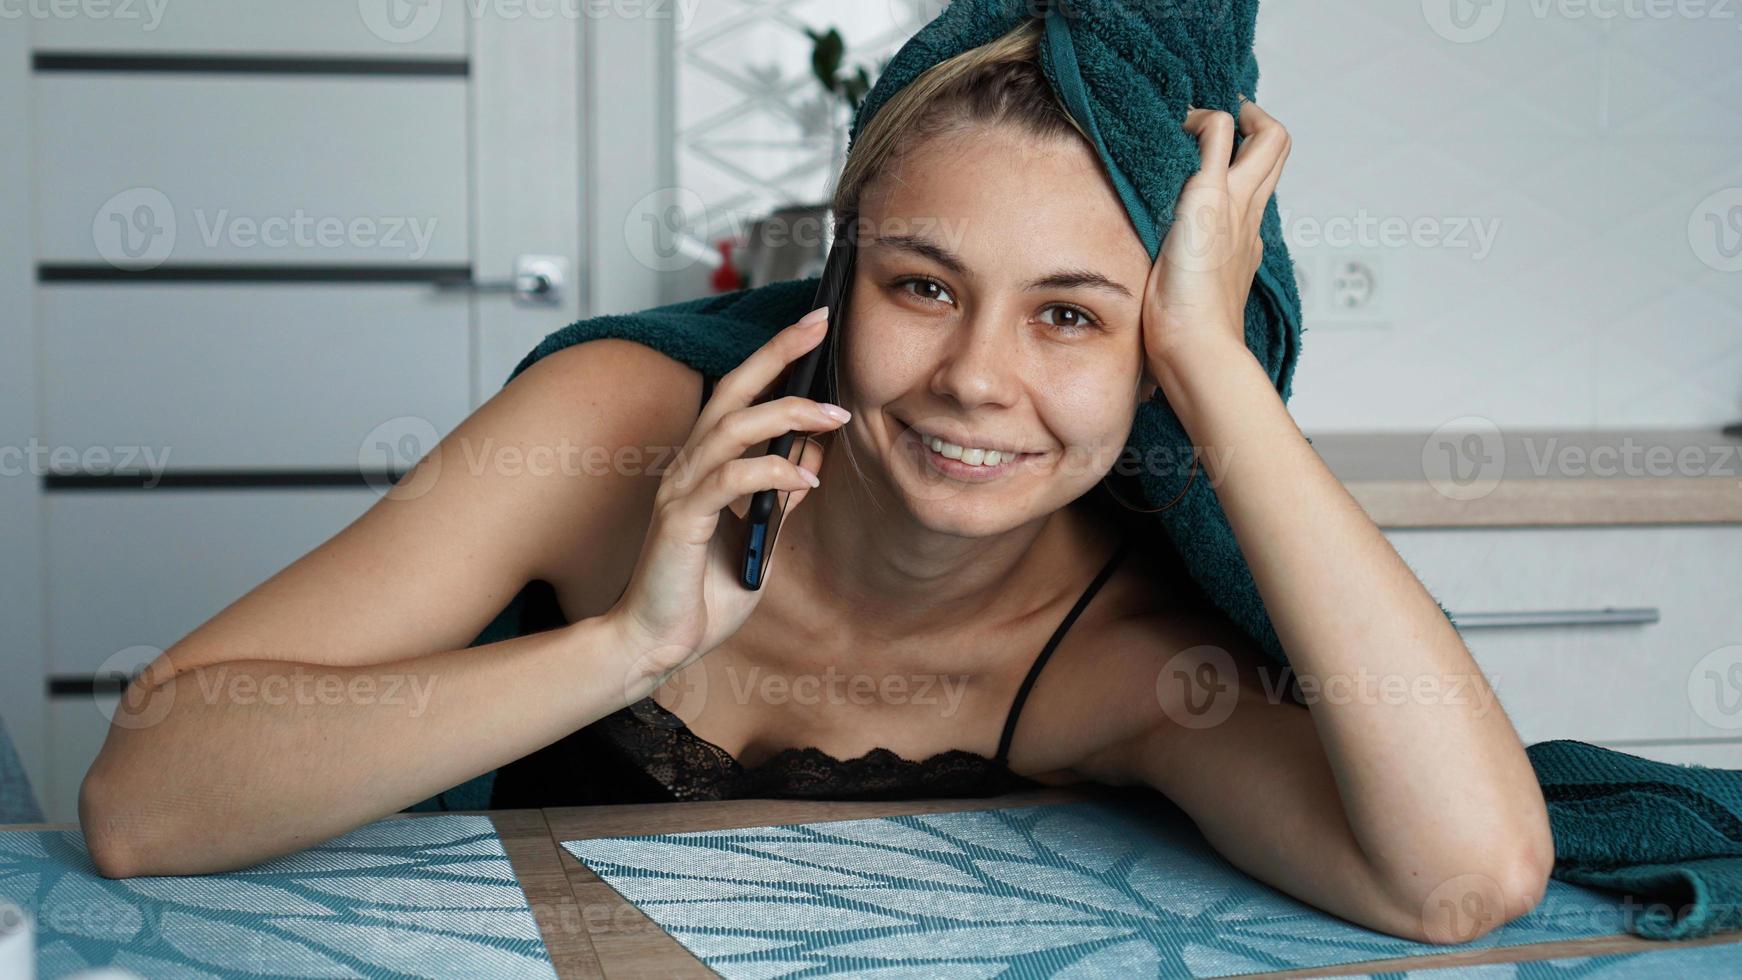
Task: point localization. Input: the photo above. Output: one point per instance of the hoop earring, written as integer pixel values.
(1155, 510)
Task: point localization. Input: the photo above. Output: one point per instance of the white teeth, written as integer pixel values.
(973, 457)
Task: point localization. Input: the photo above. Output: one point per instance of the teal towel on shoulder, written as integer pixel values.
(1668, 835)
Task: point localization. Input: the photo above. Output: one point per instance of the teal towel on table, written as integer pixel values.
(1669, 835)
(1128, 70)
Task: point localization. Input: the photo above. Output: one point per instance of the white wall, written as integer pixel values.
(1588, 146)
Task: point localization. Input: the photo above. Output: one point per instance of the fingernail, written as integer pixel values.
(809, 477)
(836, 412)
(813, 316)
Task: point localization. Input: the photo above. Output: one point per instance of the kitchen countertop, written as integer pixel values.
(1489, 477)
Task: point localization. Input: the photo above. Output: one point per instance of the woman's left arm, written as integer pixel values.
(1433, 779)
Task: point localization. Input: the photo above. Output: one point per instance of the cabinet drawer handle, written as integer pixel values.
(1569, 617)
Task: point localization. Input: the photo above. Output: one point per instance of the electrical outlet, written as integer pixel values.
(1356, 291)
(1306, 282)
(1353, 286)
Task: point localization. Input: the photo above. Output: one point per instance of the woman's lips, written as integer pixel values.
(955, 469)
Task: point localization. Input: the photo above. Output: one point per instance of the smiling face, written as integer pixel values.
(996, 304)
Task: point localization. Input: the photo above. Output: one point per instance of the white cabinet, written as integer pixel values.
(1670, 689)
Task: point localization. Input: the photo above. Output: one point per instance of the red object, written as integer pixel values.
(726, 278)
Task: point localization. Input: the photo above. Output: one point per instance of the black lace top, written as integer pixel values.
(643, 753)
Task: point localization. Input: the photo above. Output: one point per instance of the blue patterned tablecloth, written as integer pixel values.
(1072, 890)
(416, 896)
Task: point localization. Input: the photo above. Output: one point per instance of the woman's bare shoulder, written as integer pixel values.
(1105, 680)
(632, 408)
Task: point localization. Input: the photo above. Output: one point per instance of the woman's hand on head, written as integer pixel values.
(1197, 289)
(685, 596)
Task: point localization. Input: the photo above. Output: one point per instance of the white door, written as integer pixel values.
(258, 257)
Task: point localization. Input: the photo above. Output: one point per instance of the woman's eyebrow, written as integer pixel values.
(1079, 278)
(1063, 279)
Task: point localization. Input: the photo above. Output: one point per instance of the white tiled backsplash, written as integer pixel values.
(1536, 204)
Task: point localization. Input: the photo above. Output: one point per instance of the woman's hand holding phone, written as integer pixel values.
(685, 597)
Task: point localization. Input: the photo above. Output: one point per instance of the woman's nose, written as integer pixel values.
(977, 366)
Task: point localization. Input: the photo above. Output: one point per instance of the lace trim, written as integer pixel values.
(694, 768)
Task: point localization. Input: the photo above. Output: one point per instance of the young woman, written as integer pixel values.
(1002, 302)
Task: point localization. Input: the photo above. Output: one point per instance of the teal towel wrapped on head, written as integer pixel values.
(1128, 70)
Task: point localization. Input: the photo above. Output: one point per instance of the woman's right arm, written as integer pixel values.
(341, 689)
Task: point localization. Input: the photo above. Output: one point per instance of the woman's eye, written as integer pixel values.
(929, 290)
(1070, 318)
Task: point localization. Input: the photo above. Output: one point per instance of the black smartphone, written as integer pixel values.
(767, 506)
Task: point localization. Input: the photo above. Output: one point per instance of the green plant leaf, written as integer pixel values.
(826, 56)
